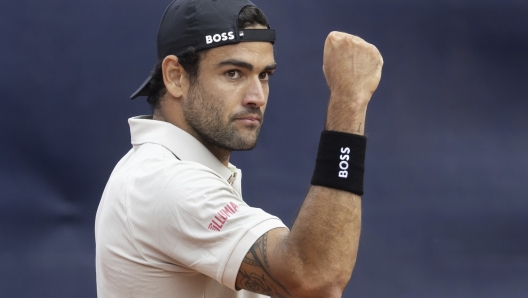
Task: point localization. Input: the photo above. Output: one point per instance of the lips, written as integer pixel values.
(249, 116)
(255, 118)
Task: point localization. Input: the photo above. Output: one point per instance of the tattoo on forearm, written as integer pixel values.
(359, 128)
(260, 280)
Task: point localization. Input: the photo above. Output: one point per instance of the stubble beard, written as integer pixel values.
(205, 114)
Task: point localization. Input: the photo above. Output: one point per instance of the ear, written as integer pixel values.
(174, 77)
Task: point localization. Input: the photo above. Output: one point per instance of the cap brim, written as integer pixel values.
(143, 90)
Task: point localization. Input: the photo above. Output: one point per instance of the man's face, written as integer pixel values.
(225, 106)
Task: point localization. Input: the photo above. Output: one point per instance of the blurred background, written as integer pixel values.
(445, 205)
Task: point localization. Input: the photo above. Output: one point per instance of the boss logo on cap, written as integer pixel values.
(219, 37)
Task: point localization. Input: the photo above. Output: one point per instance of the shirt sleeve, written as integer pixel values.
(184, 217)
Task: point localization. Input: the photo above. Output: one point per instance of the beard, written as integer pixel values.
(206, 115)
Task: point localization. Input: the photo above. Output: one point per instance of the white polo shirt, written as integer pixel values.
(169, 223)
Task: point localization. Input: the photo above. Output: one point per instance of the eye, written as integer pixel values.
(265, 76)
(233, 74)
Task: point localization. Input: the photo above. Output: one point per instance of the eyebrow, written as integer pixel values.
(245, 65)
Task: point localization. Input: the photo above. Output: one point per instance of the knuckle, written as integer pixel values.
(373, 50)
(361, 40)
(333, 35)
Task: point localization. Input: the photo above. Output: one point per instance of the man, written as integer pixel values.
(172, 222)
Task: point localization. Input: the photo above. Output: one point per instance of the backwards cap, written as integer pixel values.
(201, 25)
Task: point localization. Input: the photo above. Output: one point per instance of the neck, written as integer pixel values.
(220, 153)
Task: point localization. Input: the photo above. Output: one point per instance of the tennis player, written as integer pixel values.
(172, 221)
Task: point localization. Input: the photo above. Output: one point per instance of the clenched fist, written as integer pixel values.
(352, 68)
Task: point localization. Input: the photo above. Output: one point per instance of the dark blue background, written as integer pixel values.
(447, 165)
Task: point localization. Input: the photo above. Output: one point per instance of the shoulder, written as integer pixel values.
(155, 167)
(158, 160)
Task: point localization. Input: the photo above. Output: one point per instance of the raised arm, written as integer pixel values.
(316, 258)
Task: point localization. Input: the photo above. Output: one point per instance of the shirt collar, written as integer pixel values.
(143, 129)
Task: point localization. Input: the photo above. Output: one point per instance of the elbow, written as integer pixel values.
(322, 286)
(328, 291)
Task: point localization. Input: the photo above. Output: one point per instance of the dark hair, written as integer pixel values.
(190, 61)
(251, 16)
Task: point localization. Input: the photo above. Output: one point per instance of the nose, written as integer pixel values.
(256, 94)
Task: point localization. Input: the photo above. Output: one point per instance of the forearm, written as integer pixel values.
(325, 235)
(325, 238)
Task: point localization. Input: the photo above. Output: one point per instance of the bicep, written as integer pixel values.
(258, 271)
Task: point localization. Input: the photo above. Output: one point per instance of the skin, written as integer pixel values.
(225, 108)
(316, 258)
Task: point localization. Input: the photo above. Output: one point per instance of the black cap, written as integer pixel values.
(201, 25)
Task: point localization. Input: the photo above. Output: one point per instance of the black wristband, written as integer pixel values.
(340, 162)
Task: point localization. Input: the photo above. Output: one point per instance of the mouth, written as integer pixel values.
(248, 121)
(251, 119)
